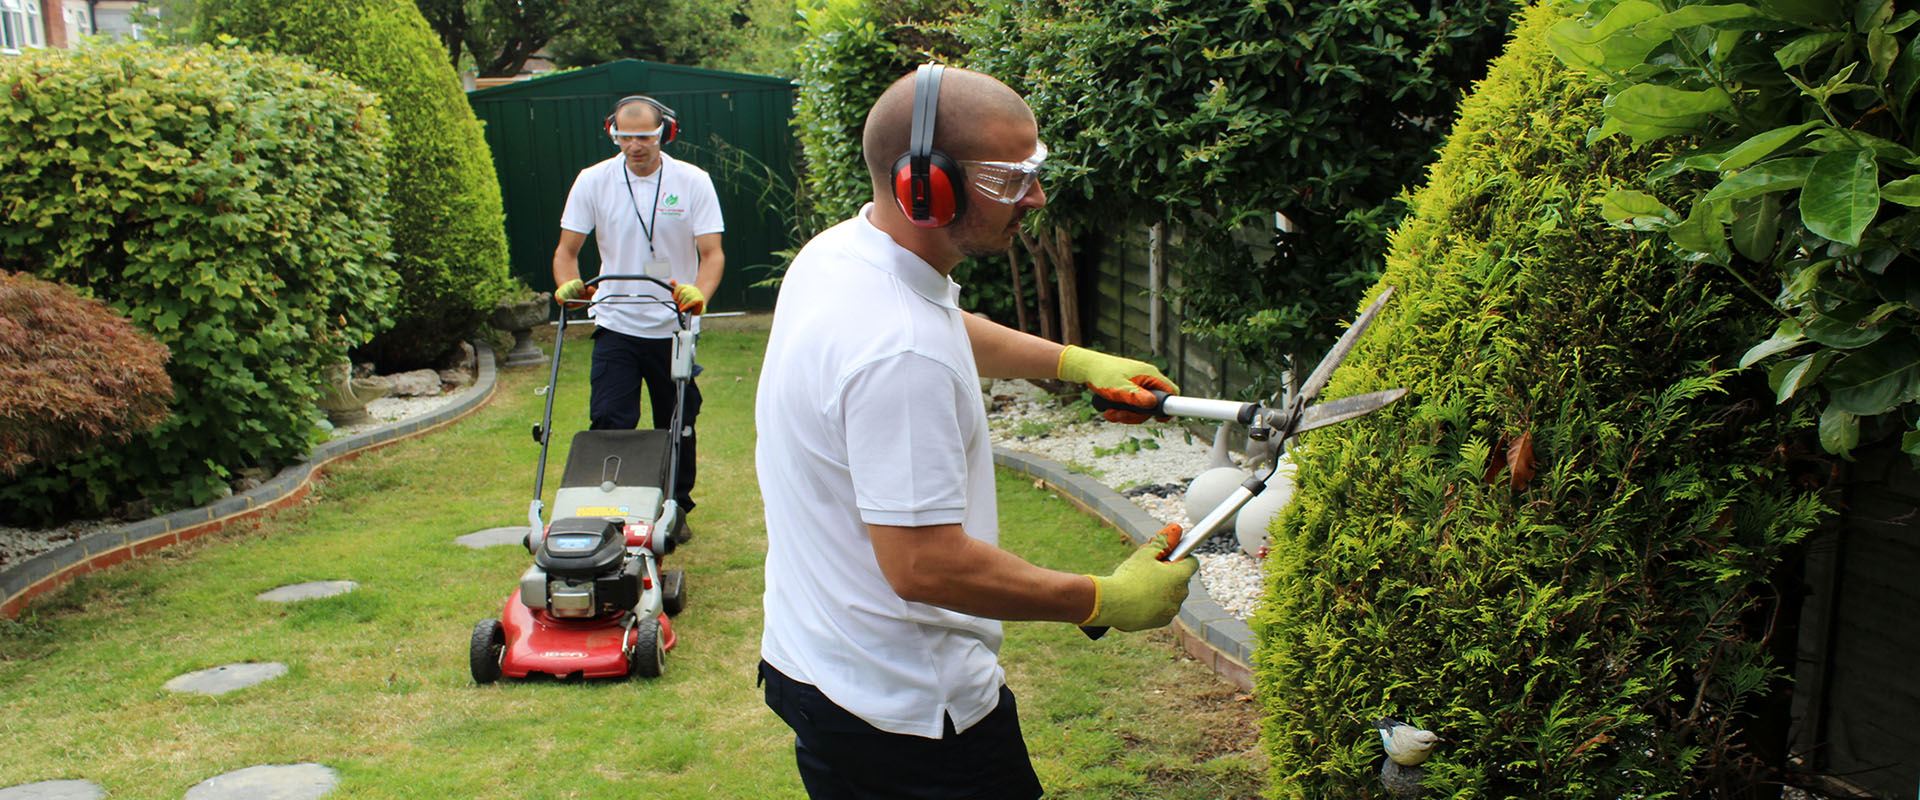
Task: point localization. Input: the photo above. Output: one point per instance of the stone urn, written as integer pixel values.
(519, 316)
(345, 397)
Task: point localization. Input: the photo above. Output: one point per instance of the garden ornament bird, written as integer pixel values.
(1407, 747)
(1405, 744)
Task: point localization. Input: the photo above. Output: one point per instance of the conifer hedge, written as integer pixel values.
(229, 204)
(1552, 552)
(448, 232)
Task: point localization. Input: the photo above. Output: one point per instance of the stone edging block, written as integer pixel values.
(23, 581)
(1218, 639)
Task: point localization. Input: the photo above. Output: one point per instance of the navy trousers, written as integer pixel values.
(622, 364)
(841, 757)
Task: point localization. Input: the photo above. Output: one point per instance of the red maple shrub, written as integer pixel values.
(73, 374)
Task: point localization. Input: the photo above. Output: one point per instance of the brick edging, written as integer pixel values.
(1218, 639)
(20, 583)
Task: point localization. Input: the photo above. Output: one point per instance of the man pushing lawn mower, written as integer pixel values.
(884, 581)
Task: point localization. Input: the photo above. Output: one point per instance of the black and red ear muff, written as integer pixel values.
(926, 182)
(667, 117)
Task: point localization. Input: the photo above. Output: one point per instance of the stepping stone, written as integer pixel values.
(494, 537)
(311, 590)
(223, 679)
(54, 790)
(269, 782)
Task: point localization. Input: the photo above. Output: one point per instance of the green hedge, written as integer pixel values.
(1552, 552)
(229, 204)
(448, 230)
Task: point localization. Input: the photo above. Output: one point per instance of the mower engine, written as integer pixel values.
(581, 570)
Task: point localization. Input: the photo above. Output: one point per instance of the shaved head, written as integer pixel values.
(979, 119)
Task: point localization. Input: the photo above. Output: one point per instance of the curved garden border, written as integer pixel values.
(21, 583)
(1218, 639)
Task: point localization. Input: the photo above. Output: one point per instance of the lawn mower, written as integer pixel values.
(596, 603)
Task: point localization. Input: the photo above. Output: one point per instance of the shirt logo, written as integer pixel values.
(673, 199)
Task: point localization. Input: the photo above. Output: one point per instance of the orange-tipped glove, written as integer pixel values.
(576, 290)
(1143, 592)
(1121, 380)
(689, 297)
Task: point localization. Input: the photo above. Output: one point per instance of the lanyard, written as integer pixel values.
(659, 179)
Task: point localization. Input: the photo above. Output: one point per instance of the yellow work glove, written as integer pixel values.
(689, 297)
(1143, 592)
(1121, 380)
(575, 289)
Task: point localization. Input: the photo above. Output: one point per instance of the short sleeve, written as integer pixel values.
(578, 214)
(704, 216)
(905, 447)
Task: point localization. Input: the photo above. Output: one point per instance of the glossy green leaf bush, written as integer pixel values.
(230, 205)
(449, 237)
(1212, 115)
(850, 52)
(73, 374)
(1804, 185)
(1553, 552)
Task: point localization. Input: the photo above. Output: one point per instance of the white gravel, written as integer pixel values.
(1025, 418)
(393, 409)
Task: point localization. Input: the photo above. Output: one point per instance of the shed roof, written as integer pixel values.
(628, 75)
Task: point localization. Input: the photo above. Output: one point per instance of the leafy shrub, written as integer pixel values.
(1551, 553)
(852, 50)
(448, 230)
(1806, 178)
(1211, 114)
(72, 373)
(229, 204)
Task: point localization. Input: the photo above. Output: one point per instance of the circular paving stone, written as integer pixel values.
(494, 537)
(54, 790)
(311, 590)
(227, 678)
(269, 782)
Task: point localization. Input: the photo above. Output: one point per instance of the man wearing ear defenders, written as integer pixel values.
(653, 215)
(885, 584)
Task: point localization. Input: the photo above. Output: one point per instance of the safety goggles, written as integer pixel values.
(642, 136)
(1007, 181)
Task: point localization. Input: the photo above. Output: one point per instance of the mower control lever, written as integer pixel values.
(537, 437)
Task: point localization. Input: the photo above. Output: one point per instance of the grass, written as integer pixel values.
(378, 685)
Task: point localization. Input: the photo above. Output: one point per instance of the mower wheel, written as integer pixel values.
(649, 657)
(673, 591)
(483, 656)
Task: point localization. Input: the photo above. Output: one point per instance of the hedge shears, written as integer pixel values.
(1296, 417)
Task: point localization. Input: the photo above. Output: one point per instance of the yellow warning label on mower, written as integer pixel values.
(600, 511)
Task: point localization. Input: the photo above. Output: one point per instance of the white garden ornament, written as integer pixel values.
(1257, 515)
(1212, 487)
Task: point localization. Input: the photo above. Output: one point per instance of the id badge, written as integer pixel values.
(658, 269)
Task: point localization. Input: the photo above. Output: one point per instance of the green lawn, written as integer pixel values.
(378, 686)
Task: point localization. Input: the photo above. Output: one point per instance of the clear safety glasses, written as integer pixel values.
(640, 136)
(1007, 181)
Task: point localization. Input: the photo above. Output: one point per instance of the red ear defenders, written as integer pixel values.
(926, 183)
(667, 116)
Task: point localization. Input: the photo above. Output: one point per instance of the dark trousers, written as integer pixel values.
(621, 364)
(842, 757)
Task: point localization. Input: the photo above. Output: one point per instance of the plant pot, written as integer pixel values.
(345, 397)
(520, 317)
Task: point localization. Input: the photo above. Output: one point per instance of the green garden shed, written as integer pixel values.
(734, 125)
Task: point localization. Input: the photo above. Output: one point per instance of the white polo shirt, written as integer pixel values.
(609, 199)
(869, 411)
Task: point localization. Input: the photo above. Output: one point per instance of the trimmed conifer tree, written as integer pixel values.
(448, 233)
(1554, 551)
